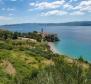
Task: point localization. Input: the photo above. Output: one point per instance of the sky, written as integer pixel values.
(44, 11)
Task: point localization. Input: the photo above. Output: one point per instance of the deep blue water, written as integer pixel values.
(75, 41)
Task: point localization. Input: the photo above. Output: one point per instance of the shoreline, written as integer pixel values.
(53, 48)
(55, 51)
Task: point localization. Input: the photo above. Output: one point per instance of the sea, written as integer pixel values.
(75, 41)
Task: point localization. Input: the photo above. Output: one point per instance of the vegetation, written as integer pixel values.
(4, 35)
(29, 62)
(51, 38)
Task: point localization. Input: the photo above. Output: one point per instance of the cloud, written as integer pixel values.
(84, 6)
(8, 9)
(46, 5)
(4, 18)
(13, 20)
(54, 12)
(72, 0)
(67, 6)
(10, 14)
(77, 13)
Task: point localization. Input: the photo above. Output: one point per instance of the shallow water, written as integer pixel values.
(74, 41)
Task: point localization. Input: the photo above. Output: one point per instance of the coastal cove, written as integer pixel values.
(75, 41)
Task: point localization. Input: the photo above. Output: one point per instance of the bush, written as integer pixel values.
(5, 46)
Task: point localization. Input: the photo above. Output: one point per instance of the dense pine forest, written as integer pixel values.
(24, 59)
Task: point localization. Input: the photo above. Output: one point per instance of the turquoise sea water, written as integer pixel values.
(75, 41)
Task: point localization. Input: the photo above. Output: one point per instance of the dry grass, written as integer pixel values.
(8, 67)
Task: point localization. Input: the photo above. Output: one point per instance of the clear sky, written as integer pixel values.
(44, 11)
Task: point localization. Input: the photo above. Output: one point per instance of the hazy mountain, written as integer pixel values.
(77, 23)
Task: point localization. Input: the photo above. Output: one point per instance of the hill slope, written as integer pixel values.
(76, 23)
(23, 61)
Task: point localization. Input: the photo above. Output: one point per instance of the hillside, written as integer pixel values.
(78, 23)
(75, 23)
(26, 61)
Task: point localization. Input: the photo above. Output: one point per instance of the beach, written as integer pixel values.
(52, 47)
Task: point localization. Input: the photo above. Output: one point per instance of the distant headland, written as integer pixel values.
(74, 23)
